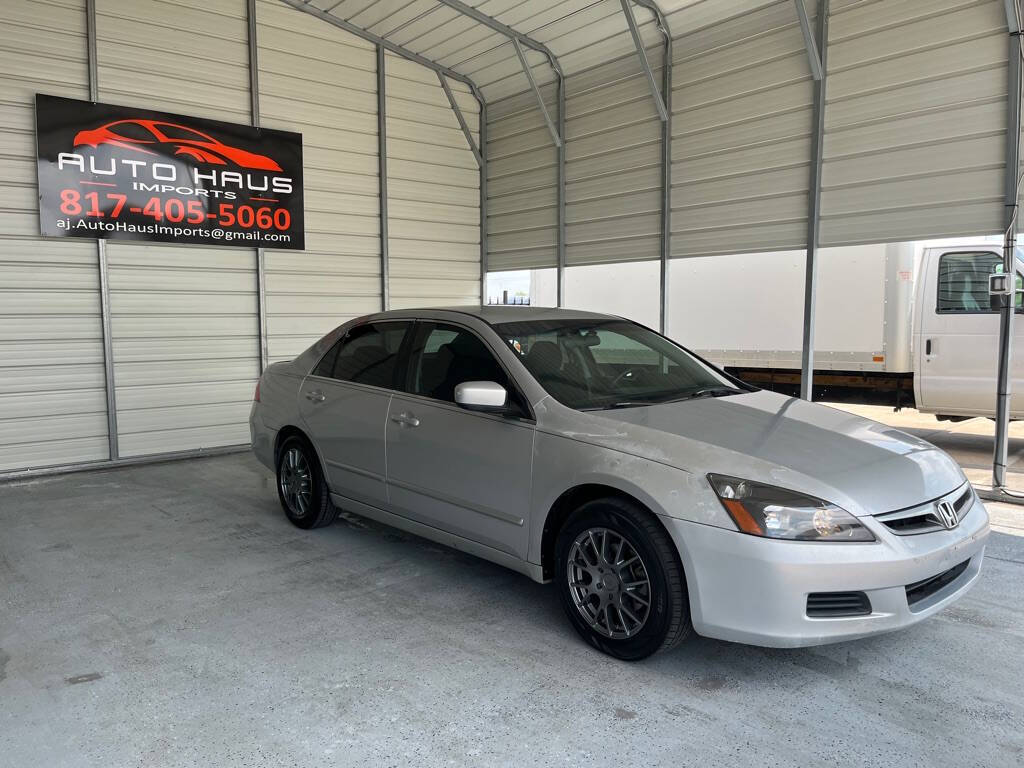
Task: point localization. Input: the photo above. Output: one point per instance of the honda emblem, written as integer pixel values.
(946, 514)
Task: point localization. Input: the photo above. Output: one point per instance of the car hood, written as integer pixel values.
(863, 466)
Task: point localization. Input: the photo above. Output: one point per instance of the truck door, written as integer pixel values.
(957, 340)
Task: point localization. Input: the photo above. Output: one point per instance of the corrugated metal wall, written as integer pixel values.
(915, 122)
(741, 135)
(321, 81)
(52, 396)
(522, 178)
(184, 320)
(433, 190)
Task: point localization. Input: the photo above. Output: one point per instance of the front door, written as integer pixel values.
(462, 471)
(957, 347)
(344, 404)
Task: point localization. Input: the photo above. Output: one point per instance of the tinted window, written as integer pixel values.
(963, 281)
(367, 354)
(446, 356)
(588, 364)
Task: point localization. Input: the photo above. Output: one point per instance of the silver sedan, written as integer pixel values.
(658, 493)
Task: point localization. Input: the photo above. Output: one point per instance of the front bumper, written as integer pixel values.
(753, 590)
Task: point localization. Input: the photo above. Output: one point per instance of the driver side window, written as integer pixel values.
(963, 282)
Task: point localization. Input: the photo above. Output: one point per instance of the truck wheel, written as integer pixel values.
(300, 486)
(620, 580)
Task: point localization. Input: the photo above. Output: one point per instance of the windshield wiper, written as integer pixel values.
(620, 404)
(708, 392)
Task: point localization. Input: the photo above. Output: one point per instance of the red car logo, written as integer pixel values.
(188, 142)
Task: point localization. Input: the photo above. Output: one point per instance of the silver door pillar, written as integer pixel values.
(814, 206)
(1004, 378)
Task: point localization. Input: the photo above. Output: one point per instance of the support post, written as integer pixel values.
(659, 104)
(1006, 312)
(483, 203)
(101, 256)
(254, 113)
(814, 208)
(382, 170)
(560, 234)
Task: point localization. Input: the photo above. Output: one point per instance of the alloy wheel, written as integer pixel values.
(609, 583)
(296, 482)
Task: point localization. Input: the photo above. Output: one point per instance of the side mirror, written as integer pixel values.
(481, 396)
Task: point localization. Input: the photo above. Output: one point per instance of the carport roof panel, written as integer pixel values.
(452, 39)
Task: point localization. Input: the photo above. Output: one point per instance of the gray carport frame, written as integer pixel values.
(816, 48)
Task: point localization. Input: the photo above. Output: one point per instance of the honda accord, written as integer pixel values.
(659, 494)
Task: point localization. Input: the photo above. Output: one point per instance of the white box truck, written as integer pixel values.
(895, 324)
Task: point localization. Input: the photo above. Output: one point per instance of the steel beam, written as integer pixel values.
(814, 208)
(483, 204)
(1012, 16)
(1004, 379)
(555, 135)
(666, 164)
(462, 120)
(254, 113)
(382, 170)
(384, 43)
(659, 103)
(504, 29)
(813, 57)
(101, 256)
(560, 162)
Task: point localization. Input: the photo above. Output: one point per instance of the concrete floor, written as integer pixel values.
(169, 615)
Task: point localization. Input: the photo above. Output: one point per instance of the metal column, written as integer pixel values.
(1006, 313)
(560, 234)
(483, 202)
(254, 112)
(814, 207)
(101, 255)
(382, 170)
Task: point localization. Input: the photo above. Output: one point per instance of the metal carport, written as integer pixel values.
(449, 139)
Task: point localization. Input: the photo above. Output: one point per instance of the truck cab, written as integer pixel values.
(956, 333)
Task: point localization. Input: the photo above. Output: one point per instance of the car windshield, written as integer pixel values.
(600, 364)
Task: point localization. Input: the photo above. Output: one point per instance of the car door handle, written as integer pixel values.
(316, 396)
(406, 420)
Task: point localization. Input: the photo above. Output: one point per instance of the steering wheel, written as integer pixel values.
(628, 372)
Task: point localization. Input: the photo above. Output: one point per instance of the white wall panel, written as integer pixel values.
(52, 395)
(321, 81)
(184, 320)
(915, 133)
(433, 190)
(742, 95)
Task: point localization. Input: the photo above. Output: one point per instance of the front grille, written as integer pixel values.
(834, 605)
(924, 518)
(925, 588)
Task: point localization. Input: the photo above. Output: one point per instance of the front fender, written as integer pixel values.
(563, 463)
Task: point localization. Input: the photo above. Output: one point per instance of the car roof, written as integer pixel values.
(495, 314)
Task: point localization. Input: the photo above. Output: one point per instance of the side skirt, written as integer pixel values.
(532, 570)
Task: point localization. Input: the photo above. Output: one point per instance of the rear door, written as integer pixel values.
(957, 345)
(344, 404)
(465, 472)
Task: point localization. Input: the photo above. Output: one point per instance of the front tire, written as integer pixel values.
(620, 580)
(300, 486)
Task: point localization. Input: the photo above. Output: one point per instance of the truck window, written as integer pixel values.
(963, 281)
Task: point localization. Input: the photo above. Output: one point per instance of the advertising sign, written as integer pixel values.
(135, 174)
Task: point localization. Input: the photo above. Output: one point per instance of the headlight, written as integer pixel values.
(764, 510)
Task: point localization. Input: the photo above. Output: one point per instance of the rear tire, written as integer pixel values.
(301, 489)
(620, 580)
